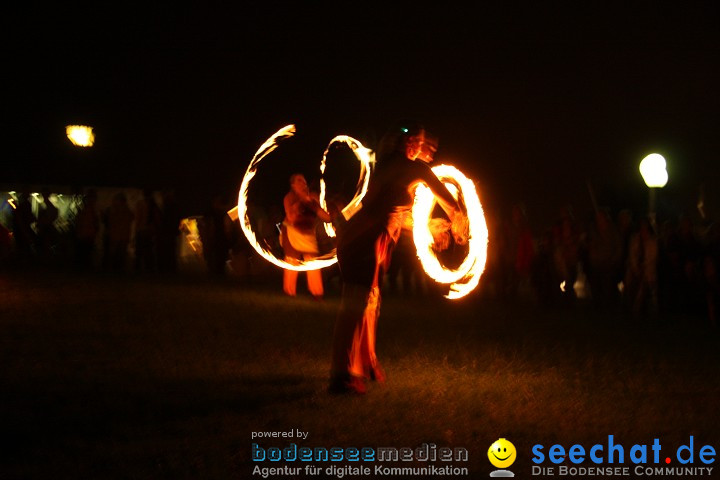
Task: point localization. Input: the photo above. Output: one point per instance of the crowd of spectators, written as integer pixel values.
(614, 261)
(120, 237)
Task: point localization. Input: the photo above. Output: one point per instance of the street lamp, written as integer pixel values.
(80, 135)
(654, 172)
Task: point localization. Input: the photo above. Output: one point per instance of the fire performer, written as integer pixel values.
(299, 237)
(365, 245)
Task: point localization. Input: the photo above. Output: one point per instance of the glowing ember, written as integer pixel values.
(80, 135)
(466, 277)
(266, 148)
(365, 157)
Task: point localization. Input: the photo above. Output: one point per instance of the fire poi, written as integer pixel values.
(461, 280)
(366, 157)
(465, 278)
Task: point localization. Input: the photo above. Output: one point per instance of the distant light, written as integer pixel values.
(653, 170)
(404, 130)
(80, 135)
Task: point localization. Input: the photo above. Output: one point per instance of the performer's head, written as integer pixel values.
(414, 145)
(298, 184)
(407, 138)
(404, 138)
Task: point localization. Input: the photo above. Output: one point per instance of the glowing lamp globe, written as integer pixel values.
(653, 170)
(80, 135)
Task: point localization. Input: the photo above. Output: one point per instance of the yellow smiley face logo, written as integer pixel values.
(502, 453)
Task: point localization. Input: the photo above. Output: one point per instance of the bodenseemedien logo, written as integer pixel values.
(502, 454)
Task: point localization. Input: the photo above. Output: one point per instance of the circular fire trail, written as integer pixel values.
(266, 148)
(462, 280)
(466, 277)
(365, 156)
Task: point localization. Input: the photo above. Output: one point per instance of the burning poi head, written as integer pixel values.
(463, 279)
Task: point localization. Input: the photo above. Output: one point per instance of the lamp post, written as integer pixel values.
(654, 172)
(82, 138)
(80, 135)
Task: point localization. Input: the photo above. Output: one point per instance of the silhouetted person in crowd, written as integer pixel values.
(625, 228)
(87, 226)
(22, 227)
(691, 255)
(47, 234)
(119, 229)
(711, 279)
(4, 245)
(516, 252)
(604, 247)
(545, 278)
(641, 280)
(681, 279)
(568, 253)
(168, 233)
(214, 229)
(147, 224)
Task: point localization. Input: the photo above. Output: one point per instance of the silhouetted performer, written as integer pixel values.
(366, 243)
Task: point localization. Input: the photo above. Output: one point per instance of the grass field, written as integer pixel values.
(144, 378)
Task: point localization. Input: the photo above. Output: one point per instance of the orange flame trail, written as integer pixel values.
(266, 148)
(462, 280)
(366, 158)
(466, 277)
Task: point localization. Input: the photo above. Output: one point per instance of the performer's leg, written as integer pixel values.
(314, 280)
(371, 366)
(290, 281)
(349, 324)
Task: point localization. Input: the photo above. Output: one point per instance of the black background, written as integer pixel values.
(532, 102)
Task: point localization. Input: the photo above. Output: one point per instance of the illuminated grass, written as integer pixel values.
(113, 378)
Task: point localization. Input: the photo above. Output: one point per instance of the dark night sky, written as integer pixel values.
(532, 103)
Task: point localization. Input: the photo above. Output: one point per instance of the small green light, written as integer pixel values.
(404, 130)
